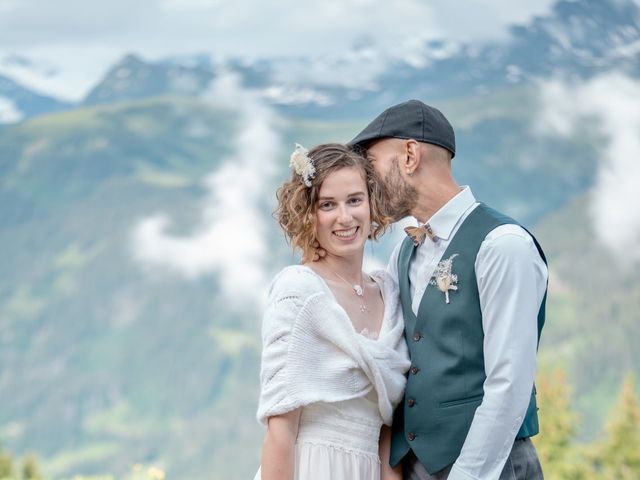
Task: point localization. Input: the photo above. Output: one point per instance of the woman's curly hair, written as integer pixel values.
(296, 210)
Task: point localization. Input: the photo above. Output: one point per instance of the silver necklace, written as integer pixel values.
(358, 290)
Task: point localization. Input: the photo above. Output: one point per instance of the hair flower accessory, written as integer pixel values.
(443, 278)
(302, 164)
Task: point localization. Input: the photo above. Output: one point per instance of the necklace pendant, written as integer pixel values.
(363, 309)
(358, 290)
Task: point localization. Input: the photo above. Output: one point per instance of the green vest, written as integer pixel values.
(444, 383)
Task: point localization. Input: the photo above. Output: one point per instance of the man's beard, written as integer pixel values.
(400, 198)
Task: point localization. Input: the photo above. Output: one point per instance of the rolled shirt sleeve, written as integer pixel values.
(512, 279)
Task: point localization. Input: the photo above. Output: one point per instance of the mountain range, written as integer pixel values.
(578, 39)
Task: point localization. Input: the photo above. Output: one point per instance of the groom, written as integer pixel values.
(473, 286)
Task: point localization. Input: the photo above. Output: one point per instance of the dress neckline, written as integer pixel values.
(361, 334)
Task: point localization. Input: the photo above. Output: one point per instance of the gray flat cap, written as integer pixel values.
(412, 119)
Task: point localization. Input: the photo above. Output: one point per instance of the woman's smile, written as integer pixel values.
(348, 234)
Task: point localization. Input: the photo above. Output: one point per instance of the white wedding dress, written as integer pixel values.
(337, 439)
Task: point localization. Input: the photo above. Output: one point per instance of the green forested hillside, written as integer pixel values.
(105, 363)
(592, 331)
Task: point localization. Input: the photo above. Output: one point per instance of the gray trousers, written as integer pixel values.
(522, 464)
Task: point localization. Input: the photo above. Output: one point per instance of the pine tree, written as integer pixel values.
(557, 421)
(30, 469)
(560, 458)
(6, 464)
(618, 456)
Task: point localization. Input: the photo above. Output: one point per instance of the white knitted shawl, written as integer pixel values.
(312, 353)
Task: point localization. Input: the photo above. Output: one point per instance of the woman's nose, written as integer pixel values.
(344, 216)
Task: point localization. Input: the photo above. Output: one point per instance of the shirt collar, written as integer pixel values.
(444, 220)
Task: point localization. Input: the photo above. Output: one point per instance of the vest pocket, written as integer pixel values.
(461, 401)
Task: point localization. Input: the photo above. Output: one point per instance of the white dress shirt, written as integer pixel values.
(512, 279)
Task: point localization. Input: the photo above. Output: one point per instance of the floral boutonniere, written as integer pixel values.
(443, 278)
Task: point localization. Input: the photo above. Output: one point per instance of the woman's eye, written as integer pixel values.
(356, 201)
(325, 205)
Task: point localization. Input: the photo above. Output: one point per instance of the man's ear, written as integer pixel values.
(412, 156)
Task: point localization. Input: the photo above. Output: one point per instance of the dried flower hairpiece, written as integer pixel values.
(302, 164)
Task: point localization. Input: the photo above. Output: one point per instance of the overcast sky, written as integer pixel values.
(249, 28)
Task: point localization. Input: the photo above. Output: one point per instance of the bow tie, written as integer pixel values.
(418, 234)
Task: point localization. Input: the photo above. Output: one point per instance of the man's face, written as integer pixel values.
(400, 198)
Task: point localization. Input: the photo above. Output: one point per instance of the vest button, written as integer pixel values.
(411, 402)
(415, 370)
(417, 337)
(411, 436)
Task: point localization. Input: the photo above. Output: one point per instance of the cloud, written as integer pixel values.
(67, 72)
(253, 28)
(248, 29)
(7, 5)
(9, 112)
(82, 39)
(613, 99)
(481, 20)
(230, 239)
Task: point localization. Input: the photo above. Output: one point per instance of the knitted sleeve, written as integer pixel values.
(290, 290)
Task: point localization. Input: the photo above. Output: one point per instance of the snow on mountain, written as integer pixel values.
(61, 73)
(27, 72)
(19, 102)
(577, 38)
(133, 78)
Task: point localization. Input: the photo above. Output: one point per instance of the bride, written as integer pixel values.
(334, 354)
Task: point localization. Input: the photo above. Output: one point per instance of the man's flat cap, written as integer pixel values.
(412, 119)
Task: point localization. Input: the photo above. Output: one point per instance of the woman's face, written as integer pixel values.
(343, 215)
